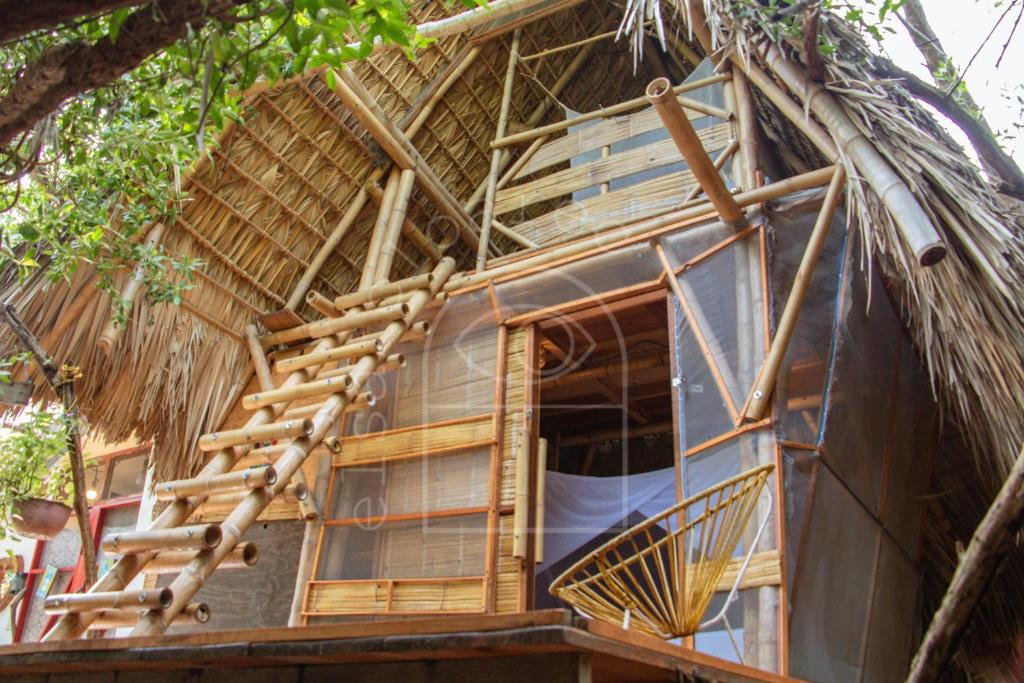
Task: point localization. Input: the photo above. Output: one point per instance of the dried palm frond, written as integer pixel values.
(636, 17)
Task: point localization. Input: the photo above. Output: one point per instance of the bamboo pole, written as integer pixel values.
(392, 362)
(747, 125)
(125, 569)
(310, 541)
(397, 145)
(375, 293)
(568, 46)
(295, 493)
(395, 221)
(369, 347)
(445, 85)
(907, 214)
(508, 232)
(173, 561)
(266, 383)
(87, 602)
(289, 429)
(659, 92)
(761, 194)
(492, 176)
(321, 304)
(183, 537)
(188, 582)
(620, 108)
(614, 434)
(249, 478)
(195, 613)
(330, 326)
(757, 405)
(322, 387)
(380, 228)
(112, 332)
(362, 400)
(521, 513)
(542, 477)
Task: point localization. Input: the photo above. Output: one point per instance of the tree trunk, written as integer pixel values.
(64, 386)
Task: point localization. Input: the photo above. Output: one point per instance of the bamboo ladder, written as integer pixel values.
(197, 550)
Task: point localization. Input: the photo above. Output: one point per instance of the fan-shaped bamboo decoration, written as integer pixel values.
(635, 579)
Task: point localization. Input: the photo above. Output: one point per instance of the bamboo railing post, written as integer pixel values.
(112, 332)
(757, 404)
(191, 580)
(492, 176)
(660, 94)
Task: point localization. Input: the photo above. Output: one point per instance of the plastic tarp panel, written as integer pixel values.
(895, 629)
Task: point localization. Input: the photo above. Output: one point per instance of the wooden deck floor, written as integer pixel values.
(548, 645)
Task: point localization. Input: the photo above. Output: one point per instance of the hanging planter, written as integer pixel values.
(39, 518)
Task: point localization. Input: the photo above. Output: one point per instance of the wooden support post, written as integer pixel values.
(492, 176)
(112, 332)
(757, 403)
(401, 150)
(660, 94)
(327, 248)
(62, 380)
(399, 206)
(191, 580)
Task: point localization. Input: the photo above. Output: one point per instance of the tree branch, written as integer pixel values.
(22, 18)
(1005, 172)
(75, 68)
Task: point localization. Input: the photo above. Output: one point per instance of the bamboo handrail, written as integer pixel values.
(757, 403)
(495, 169)
(621, 108)
(236, 523)
(659, 92)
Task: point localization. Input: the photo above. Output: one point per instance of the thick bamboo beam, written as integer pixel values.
(191, 580)
(757, 404)
(290, 429)
(374, 293)
(492, 176)
(992, 540)
(761, 194)
(401, 150)
(330, 326)
(183, 537)
(112, 332)
(157, 598)
(128, 567)
(195, 613)
(659, 92)
(907, 214)
(249, 478)
(327, 248)
(621, 108)
(614, 434)
(399, 208)
(173, 561)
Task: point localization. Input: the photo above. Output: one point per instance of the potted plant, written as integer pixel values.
(34, 475)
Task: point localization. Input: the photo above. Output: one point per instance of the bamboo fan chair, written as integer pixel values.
(636, 580)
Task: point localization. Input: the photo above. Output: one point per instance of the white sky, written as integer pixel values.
(961, 26)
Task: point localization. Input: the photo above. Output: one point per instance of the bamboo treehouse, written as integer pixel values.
(554, 353)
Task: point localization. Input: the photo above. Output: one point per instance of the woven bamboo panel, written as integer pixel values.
(509, 570)
(435, 548)
(415, 441)
(404, 596)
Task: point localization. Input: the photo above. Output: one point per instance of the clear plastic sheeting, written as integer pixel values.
(597, 274)
(421, 548)
(801, 382)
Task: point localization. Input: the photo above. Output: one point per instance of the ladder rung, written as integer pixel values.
(439, 298)
(265, 453)
(292, 493)
(289, 429)
(329, 326)
(379, 292)
(196, 612)
(173, 561)
(416, 331)
(182, 537)
(369, 346)
(395, 360)
(154, 598)
(320, 387)
(249, 478)
(361, 401)
(321, 304)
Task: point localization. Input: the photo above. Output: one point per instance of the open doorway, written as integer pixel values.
(606, 411)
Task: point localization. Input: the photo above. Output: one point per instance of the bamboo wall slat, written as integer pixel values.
(509, 569)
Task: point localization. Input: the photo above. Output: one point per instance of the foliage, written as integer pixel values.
(32, 463)
(85, 183)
